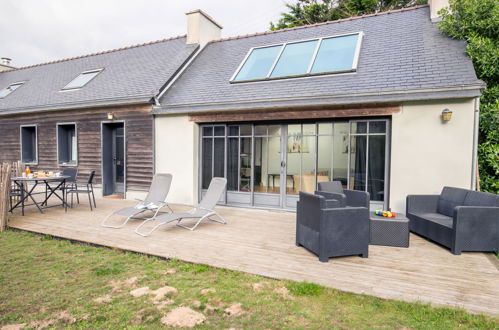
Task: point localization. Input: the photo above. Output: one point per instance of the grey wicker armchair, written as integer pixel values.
(345, 196)
(460, 219)
(331, 232)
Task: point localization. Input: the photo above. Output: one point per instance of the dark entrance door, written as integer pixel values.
(113, 159)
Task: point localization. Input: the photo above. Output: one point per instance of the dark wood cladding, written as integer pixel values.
(289, 114)
(139, 140)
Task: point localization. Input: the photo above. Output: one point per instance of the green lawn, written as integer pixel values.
(47, 282)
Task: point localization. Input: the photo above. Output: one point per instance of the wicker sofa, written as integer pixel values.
(328, 230)
(460, 219)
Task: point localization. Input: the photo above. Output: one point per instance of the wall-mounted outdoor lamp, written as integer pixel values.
(446, 115)
(110, 116)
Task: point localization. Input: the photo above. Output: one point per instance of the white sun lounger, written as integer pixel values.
(204, 210)
(154, 202)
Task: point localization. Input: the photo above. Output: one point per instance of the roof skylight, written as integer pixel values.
(9, 89)
(310, 57)
(82, 79)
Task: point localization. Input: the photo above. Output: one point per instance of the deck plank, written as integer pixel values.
(262, 242)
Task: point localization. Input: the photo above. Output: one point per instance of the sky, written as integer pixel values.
(37, 31)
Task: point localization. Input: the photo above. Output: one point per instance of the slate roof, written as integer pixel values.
(133, 74)
(403, 57)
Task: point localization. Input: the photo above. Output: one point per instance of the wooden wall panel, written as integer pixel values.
(302, 113)
(139, 140)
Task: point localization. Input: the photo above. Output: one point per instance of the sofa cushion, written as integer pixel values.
(331, 186)
(437, 218)
(477, 198)
(449, 199)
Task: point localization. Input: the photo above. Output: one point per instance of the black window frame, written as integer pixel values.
(23, 144)
(59, 128)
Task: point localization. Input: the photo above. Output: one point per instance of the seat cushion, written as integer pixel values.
(477, 198)
(436, 218)
(449, 199)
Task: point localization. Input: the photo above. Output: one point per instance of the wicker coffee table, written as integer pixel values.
(389, 231)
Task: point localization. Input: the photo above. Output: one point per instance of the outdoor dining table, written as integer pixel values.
(26, 192)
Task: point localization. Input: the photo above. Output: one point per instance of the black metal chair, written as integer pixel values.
(70, 183)
(89, 190)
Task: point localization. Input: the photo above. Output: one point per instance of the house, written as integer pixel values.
(92, 112)
(359, 100)
(364, 100)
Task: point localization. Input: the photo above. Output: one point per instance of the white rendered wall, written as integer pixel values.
(427, 154)
(176, 152)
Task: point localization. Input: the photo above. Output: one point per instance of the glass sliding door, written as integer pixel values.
(267, 165)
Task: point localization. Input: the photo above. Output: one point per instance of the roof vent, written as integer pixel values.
(201, 28)
(5, 61)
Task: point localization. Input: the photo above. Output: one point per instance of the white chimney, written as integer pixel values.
(5, 64)
(435, 6)
(201, 28)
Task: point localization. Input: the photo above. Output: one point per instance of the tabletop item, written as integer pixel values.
(383, 213)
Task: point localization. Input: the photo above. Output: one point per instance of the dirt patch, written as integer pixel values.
(105, 299)
(118, 286)
(140, 291)
(183, 317)
(258, 287)
(205, 292)
(62, 316)
(234, 310)
(284, 292)
(139, 318)
(13, 326)
(196, 303)
(170, 271)
(163, 292)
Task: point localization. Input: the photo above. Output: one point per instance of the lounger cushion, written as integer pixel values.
(449, 199)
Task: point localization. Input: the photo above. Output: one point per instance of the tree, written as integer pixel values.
(305, 12)
(477, 22)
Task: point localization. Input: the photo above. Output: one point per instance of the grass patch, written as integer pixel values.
(40, 278)
(305, 289)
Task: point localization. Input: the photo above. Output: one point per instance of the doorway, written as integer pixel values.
(113, 159)
(267, 165)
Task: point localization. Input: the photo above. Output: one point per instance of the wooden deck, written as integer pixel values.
(262, 242)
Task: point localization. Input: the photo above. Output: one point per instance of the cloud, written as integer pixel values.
(35, 31)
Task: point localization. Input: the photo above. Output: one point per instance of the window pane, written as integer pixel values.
(6, 91)
(258, 63)
(358, 162)
(219, 131)
(66, 144)
(340, 128)
(219, 158)
(295, 59)
(260, 129)
(232, 164)
(359, 127)
(28, 144)
(208, 131)
(245, 129)
(245, 183)
(326, 128)
(274, 130)
(207, 163)
(294, 129)
(335, 54)
(376, 169)
(233, 130)
(377, 127)
(82, 80)
(308, 129)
